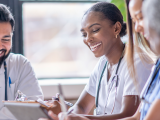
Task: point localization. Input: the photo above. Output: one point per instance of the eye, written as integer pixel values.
(5, 40)
(84, 34)
(134, 23)
(140, 18)
(96, 30)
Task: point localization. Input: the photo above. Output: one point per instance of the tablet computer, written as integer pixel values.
(27, 111)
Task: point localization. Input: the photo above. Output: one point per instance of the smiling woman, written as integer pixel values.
(104, 32)
(110, 86)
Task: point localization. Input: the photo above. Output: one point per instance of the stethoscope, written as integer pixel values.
(115, 78)
(5, 74)
(149, 83)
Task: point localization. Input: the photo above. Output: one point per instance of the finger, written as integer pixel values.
(62, 115)
(57, 95)
(76, 117)
(43, 119)
(52, 115)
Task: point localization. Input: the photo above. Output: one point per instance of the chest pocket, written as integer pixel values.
(11, 93)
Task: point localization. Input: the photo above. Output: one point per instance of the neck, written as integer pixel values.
(115, 53)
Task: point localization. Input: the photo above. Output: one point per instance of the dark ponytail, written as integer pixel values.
(123, 30)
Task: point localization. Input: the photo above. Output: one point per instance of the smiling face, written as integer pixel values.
(5, 40)
(98, 33)
(135, 8)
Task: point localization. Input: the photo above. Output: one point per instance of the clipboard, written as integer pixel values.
(27, 111)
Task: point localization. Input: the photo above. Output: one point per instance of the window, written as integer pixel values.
(53, 42)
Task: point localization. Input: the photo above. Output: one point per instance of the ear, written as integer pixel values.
(117, 28)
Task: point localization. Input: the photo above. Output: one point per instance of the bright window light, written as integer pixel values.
(53, 42)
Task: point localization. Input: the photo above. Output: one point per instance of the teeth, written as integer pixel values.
(92, 47)
(0, 52)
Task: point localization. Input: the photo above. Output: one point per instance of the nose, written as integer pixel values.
(137, 27)
(88, 38)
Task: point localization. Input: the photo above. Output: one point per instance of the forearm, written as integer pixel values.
(77, 109)
(129, 118)
(106, 117)
(84, 103)
(153, 113)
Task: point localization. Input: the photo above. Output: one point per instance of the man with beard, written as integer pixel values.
(16, 72)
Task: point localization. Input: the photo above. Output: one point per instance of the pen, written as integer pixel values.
(10, 82)
(69, 112)
(67, 103)
(57, 98)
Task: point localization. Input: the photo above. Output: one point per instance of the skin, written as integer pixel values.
(5, 38)
(154, 39)
(135, 7)
(67, 117)
(153, 113)
(136, 116)
(97, 29)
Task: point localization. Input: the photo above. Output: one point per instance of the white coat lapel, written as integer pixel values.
(2, 86)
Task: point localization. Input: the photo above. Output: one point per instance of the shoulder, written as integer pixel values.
(99, 66)
(16, 58)
(102, 61)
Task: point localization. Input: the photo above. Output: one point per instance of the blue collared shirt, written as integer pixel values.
(152, 94)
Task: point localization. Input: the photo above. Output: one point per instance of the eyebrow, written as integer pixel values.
(7, 36)
(91, 26)
(138, 12)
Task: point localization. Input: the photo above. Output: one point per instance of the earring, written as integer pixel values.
(116, 35)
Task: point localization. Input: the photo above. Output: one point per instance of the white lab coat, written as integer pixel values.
(110, 99)
(22, 77)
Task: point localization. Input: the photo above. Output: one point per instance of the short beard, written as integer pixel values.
(4, 57)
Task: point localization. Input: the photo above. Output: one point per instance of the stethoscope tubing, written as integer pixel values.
(116, 75)
(5, 74)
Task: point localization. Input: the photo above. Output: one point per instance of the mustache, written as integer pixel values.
(4, 50)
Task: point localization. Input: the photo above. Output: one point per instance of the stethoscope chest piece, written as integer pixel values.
(96, 111)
